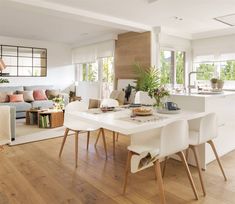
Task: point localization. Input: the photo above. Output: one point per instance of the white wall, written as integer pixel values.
(60, 71)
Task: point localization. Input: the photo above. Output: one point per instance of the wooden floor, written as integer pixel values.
(33, 173)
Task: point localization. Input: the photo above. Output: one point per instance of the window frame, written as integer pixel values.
(173, 74)
(18, 56)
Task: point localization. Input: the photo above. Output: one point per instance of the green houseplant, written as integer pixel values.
(149, 80)
(4, 81)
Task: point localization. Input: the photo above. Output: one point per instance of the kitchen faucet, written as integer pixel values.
(189, 80)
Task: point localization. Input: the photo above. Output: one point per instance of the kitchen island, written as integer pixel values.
(223, 104)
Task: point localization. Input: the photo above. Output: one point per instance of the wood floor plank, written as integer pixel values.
(33, 173)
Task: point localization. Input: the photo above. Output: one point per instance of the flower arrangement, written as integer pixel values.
(58, 103)
(159, 94)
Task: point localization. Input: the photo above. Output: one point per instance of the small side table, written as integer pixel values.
(51, 119)
(32, 117)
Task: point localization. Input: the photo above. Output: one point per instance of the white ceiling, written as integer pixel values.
(74, 21)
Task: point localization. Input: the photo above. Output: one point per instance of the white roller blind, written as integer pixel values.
(91, 53)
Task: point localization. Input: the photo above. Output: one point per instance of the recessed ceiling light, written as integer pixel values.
(227, 19)
(177, 18)
(151, 1)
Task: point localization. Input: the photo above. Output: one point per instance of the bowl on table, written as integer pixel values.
(142, 111)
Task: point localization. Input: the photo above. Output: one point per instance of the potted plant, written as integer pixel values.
(4, 81)
(220, 84)
(149, 80)
(214, 83)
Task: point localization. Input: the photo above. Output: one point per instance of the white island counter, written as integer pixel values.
(224, 106)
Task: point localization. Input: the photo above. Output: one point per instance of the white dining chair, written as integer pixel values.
(143, 98)
(171, 139)
(203, 130)
(109, 102)
(72, 123)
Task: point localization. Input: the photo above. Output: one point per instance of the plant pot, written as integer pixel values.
(213, 85)
(220, 84)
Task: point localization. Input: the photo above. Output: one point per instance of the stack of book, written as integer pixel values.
(44, 121)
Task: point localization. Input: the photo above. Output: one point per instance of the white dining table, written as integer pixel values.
(121, 121)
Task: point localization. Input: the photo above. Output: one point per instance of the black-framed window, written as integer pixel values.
(24, 61)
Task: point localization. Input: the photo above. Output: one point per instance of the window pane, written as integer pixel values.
(25, 71)
(10, 61)
(166, 59)
(12, 71)
(8, 50)
(25, 52)
(39, 62)
(108, 76)
(180, 67)
(207, 69)
(227, 70)
(40, 53)
(92, 72)
(25, 61)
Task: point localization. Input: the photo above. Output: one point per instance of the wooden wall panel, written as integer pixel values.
(131, 48)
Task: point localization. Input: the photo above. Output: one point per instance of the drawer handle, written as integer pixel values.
(221, 125)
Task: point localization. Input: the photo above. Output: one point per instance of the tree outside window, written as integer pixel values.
(227, 71)
(172, 62)
(180, 67)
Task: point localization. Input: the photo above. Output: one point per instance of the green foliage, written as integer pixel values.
(228, 72)
(165, 70)
(107, 72)
(180, 64)
(207, 70)
(148, 79)
(2, 81)
(91, 75)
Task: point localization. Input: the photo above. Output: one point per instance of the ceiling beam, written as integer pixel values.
(87, 16)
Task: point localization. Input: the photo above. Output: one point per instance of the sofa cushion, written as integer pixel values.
(38, 87)
(16, 98)
(27, 95)
(4, 96)
(39, 95)
(42, 104)
(52, 93)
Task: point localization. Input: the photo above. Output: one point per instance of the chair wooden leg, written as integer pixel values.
(88, 139)
(104, 141)
(117, 136)
(97, 139)
(128, 164)
(114, 143)
(187, 153)
(76, 149)
(181, 155)
(217, 158)
(63, 142)
(164, 167)
(196, 156)
(159, 181)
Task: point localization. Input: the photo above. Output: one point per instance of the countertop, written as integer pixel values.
(225, 93)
